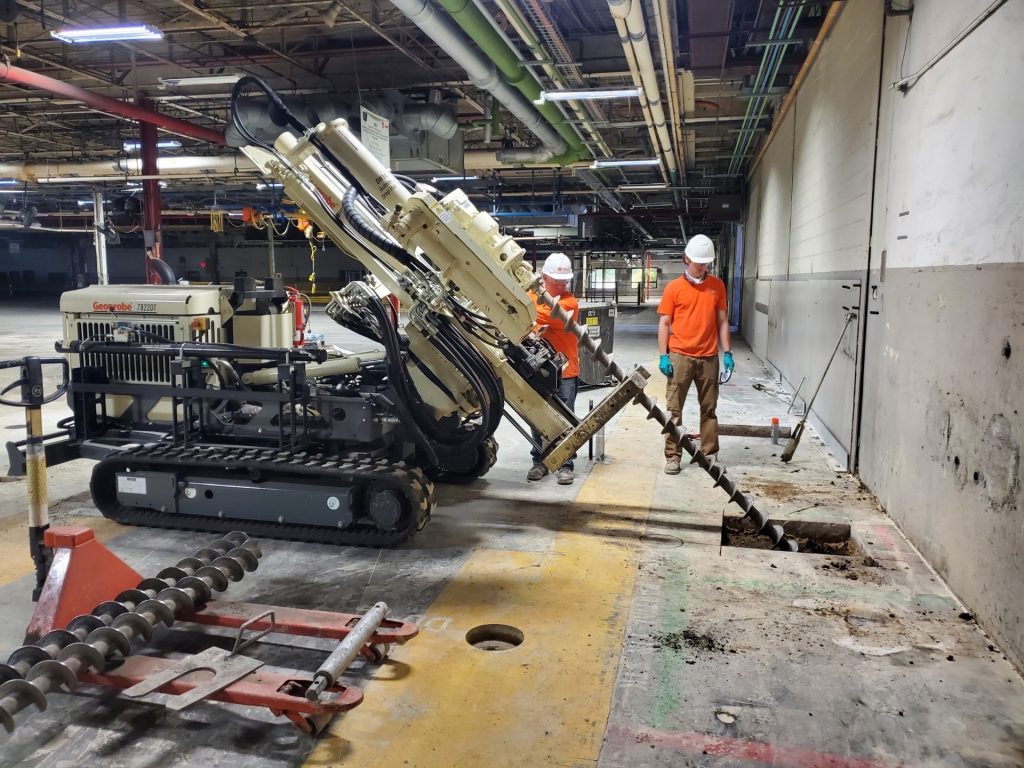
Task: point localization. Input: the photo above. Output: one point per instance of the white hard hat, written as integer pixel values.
(700, 249)
(558, 267)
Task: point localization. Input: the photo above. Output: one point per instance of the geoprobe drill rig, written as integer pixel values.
(205, 416)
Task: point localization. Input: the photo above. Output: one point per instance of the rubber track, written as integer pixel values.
(276, 465)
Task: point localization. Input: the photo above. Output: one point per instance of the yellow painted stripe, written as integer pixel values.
(15, 561)
(445, 703)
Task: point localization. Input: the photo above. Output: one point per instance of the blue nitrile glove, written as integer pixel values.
(665, 365)
(730, 364)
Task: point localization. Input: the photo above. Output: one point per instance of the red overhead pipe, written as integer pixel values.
(150, 197)
(108, 105)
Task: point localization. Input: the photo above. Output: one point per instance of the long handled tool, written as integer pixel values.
(798, 432)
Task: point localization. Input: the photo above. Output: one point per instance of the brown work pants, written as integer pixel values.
(703, 372)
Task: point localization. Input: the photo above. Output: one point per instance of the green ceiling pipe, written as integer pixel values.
(481, 30)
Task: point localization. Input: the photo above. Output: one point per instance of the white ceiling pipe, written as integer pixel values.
(661, 20)
(629, 22)
(121, 168)
(481, 70)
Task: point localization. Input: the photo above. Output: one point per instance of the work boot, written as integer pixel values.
(672, 466)
(564, 476)
(537, 472)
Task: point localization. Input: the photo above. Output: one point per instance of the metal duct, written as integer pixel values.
(481, 71)
(406, 117)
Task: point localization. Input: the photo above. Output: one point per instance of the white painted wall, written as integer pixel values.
(954, 187)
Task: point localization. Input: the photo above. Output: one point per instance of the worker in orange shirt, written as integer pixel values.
(692, 327)
(557, 275)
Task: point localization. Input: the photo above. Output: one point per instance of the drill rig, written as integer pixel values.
(204, 415)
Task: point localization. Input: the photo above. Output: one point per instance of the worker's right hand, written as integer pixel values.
(665, 365)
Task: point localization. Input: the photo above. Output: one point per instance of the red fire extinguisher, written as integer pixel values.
(300, 311)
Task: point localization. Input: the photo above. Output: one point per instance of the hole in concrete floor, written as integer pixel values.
(494, 637)
(1006, 349)
(662, 540)
(813, 537)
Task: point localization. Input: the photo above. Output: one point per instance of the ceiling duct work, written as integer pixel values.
(482, 72)
(424, 136)
(408, 119)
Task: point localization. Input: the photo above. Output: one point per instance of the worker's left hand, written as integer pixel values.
(730, 364)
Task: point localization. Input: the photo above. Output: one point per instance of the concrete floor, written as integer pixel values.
(647, 642)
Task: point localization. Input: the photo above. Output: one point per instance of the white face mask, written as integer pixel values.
(695, 280)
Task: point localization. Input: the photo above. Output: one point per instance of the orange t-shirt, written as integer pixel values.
(693, 310)
(556, 335)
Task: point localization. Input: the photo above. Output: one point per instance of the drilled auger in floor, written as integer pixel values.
(57, 659)
(756, 517)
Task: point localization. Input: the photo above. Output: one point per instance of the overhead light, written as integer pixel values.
(641, 187)
(9, 182)
(107, 34)
(84, 203)
(271, 185)
(453, 178)
(135, 146)
(587, 94)
(190, 82)
(625, 163)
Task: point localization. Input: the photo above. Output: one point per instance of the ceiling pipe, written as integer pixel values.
(109, 106)
(221, 166)
(629, 23)
(482, 72)
(668, 68)
(484, 32)
(128, 168)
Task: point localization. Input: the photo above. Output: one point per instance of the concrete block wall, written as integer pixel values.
(910, 204)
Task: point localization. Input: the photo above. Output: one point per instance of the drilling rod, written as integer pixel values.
(773, 531)
(56, 660)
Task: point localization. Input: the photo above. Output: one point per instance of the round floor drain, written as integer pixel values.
(494, 637)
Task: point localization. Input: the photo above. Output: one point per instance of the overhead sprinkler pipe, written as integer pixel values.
(109, 106)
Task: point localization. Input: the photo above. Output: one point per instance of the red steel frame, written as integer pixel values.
(84, 573)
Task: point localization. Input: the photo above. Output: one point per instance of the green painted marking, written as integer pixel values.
(672, 617)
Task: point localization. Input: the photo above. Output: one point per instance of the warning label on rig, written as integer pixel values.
(131, 484)
(375, 133)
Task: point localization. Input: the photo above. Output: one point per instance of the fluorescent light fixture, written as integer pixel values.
(137, 185)
(641, 187)
(84, 203)
(588, 94)
(10, 191)
(271, 185)
(9, 182)
(453, 178)
(190, 82)
(107, 34)
(136, 146)
(625, 163)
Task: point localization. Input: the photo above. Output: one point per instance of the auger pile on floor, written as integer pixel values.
(58, 658)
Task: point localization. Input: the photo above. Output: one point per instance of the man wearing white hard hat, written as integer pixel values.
(557, 276)
(692, 328)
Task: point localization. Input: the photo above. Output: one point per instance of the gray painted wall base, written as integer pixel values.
(943, 426)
